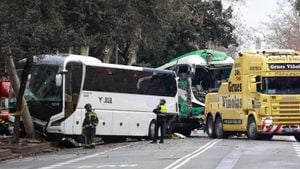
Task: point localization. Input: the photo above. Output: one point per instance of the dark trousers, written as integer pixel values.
(89, 134)
(4, 130)
(160, 123)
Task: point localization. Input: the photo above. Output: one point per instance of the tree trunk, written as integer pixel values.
(28, 124)
(84, 50)
(106, 53)
(71, 50)
(132, 52)
(134, 46)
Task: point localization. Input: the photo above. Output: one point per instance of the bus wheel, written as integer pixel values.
(151, 131)
(297, 137)
(252, 130)
(219, 131)
(210, 128)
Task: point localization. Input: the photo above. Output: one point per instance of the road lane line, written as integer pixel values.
(178, 163)
(188, 155)
(81, 158)
(297, 148)
(85, 166)
(231, 159)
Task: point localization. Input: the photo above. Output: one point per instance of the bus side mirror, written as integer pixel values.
(253, 88)
(58, 80)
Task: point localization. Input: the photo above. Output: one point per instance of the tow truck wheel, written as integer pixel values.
(210, 128)
(251, 129)
(219, 131)
(297, 137)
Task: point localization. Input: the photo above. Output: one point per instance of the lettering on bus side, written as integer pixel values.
(105, 100)
(232, 102)
(234, 87)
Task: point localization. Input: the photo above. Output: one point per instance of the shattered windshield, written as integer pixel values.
(41, 85)
(206, 79)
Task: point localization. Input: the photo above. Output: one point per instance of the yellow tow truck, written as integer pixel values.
(261, 97)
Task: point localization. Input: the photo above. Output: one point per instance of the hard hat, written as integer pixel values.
(162, 100)
(88, 106)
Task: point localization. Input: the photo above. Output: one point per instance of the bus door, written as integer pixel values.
(73, 79)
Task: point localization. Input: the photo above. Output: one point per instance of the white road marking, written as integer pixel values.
(85, 166)
(180, 162)
(128, 165)
(231, 159)
(297, 148)
(81, 158)
(105, 166)
(116, 166)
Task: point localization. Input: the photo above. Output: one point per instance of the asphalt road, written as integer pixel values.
(196, 152)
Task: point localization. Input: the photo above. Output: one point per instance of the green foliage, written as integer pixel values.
(192, 25)
(159, 29)
(30, 25)
(83, 20)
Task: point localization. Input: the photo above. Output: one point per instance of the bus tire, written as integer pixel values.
(297, 137)
(219, 131)
(252, 130)
(151, 130)
(210, 128)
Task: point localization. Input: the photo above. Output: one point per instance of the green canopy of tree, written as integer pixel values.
(147, 32)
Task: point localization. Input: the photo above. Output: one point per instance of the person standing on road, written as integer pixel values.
(160, 121)
(89, 125)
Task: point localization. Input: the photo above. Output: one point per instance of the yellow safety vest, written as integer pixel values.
(163, 108)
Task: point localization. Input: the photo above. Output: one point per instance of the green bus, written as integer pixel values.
(199, 72)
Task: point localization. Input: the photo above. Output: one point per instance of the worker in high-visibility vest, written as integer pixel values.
(160, 121)
(89, 125)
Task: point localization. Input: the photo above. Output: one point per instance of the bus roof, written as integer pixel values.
(62, 59)
(201, 57)
(128, 67)
(59, 59)
(215, 55)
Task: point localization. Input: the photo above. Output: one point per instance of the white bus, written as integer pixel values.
(122, 96)
(199, 72)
